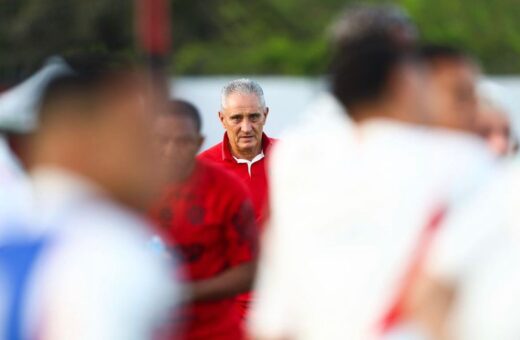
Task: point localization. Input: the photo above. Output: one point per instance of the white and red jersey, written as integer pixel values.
(348, 208)
(488, 301)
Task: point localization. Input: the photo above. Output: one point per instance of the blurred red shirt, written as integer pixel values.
(254, 175)
(208, 222)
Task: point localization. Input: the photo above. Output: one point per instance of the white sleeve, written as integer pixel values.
(104, 290)
(488, 301)
(272, 313)
(473, 228)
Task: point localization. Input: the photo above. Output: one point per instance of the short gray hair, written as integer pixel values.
(244, 86)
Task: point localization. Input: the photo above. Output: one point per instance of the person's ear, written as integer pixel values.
(19, 145)
(266, 112)
(221, 118)
(200, 142)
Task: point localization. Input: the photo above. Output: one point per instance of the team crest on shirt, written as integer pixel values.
(166, 216)
(196, 215)
(244, 224)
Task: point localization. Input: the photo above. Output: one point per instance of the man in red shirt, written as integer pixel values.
(245, 145)
(207, 219)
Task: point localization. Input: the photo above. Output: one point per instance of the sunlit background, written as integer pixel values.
(280, 43)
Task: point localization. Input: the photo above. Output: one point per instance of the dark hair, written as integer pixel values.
(363, 20)
(369, 42)
(89, 75)
(430, 53)
(362, 66)
(179, 107)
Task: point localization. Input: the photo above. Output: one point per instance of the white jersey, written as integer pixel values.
(488, 304)
(99, 279)
(347, 210)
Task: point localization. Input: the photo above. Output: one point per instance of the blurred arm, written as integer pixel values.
(231, 282)
(428, 305)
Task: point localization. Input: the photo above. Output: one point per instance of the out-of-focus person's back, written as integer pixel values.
(92, 164)
(353, 218)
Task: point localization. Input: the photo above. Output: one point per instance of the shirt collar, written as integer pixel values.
(250, 162)
(226, 149)
(254, 160)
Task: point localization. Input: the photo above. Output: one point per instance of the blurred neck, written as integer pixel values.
(366, 112)
(182, 174)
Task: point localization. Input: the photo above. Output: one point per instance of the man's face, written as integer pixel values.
(452, 94)
(244, 118)
(179, 141)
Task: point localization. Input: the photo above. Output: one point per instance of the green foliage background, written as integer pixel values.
(285, 37)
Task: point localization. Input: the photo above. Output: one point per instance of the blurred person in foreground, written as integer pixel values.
(493, 122)
(245, 146)
(18, 106)
(207, 218)
(365, 240)
(93, 169)
(454, 101)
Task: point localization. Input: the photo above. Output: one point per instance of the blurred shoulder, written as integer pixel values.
(459, 150)
(213, 153)
(324, 128)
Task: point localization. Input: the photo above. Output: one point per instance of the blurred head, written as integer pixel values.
(494, 126)
(178, 132)
(373, 70)
(98, 123)
(366, 20)
(243, 116)
(451, 83)
(375, 73)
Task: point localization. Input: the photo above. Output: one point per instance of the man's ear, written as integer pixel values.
(221, 118)
(266, 112)
(200, 142)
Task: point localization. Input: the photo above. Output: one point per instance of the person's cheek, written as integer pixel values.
(236, 132)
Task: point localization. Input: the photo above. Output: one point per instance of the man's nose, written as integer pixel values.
(246, 126)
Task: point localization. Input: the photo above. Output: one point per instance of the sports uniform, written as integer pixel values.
(346, 220)
(208, 220)
(98, 279)
(252, 173)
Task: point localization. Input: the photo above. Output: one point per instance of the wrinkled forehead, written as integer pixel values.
(242, 102)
